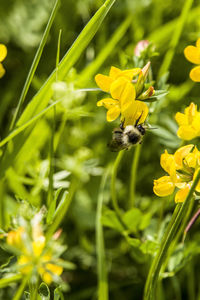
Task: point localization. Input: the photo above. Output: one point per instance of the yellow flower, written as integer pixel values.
(192, 54)
(3, 54)
(188, 123)
(34, 254)
(105, 82)
(182, 168)
(119, 85)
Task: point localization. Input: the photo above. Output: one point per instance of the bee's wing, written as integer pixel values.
(116, 143)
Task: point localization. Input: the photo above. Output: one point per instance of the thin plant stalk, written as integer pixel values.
(177, 217)
(34, 64)
(21, 288)
(179, 233)
(51, 148)
(192, 221)
(113, 187)
(100, 248)
(134, 169)
(175, 38)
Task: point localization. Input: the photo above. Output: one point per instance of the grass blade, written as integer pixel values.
(43, 96)
(41, 99)
(100, 250)
(90, 70)
(175, 38)
(35, 63)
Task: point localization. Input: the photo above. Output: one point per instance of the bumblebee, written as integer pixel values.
(126, 137)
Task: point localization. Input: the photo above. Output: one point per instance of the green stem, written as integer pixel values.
(133, 174)
(179, 233)
(34, 291)
(175, 38)
(177, 218)
(21, 288)
(51, 160)
(100, 249)
(113, 187)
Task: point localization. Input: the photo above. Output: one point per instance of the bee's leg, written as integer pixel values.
(137, 121)
(122, 125)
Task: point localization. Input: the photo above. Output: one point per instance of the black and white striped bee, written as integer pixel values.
(126, 137)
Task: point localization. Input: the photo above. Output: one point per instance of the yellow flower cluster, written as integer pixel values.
(33, 253)
(182, 168)
(124, 93)
(192, 54)
(3, 54)
(189, 123)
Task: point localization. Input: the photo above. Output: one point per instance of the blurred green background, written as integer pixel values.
(82, 136)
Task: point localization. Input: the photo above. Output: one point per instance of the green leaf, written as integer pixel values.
(27, 295)
(52, 207)
(132, 219)
(145, 221)
(44, 291)
(58, 295)
(110, 219)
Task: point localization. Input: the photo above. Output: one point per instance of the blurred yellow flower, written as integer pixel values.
(3, 54)
(188, 123)
(34, 254)
(192, 54)
(182, 168)
(119, 85)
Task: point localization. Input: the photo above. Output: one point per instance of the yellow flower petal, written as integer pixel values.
(121, 88)
(182, 194)
(186, 133)
(3, 52)
(47, 277)
(191, 160)
(167, 162)
(55, 269)
(198, 43)
(38, 247)
(103, 82)
(163, 186)
(181, 153)
(14, 237)
(198, 184)
(25, 264)
(130, 74)
(196, 122)
(113, 113)
(191, 111)
(181, 119)
(108, 103)
(127, 96)
(2, 70)
(195, 74)
(192, 54)
(114, 72)
(134, 111)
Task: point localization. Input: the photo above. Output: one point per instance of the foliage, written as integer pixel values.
(54, 154)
